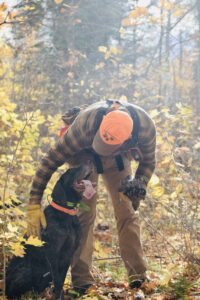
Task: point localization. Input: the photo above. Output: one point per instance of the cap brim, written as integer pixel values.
(102, 148)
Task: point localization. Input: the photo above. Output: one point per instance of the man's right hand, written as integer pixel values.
(35, 219)
(134, 189)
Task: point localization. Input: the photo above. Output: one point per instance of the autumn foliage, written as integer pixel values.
(144, 54)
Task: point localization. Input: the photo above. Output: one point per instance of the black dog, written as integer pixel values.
(42, 265)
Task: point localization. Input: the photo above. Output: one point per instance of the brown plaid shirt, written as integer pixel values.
(80, 136)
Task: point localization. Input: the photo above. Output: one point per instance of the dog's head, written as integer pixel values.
(65, 191)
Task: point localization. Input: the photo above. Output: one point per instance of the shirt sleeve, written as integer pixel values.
(147, 146)
(78, 137)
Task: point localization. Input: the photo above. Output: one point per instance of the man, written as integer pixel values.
(110, 134)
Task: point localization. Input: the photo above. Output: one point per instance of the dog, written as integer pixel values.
(43, 265)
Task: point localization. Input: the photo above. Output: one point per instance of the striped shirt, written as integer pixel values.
(80, 136)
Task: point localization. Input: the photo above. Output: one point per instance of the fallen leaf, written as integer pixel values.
(34, 241)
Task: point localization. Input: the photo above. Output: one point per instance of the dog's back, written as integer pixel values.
(27, 273)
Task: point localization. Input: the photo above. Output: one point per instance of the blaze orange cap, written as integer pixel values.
(116, 127)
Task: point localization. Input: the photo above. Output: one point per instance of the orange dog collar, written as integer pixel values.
(71, 212)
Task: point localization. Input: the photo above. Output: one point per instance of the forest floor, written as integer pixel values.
(170, 278)
(173, 269)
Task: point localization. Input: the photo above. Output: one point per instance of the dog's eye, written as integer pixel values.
(87, 176)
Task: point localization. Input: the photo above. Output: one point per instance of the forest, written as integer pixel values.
(57, 54)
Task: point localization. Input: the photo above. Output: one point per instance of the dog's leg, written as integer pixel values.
(65, 258)
(63, 270)
(58, 284)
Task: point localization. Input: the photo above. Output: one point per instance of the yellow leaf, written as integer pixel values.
(12, 15)
(34, 241)
(17, 249)
(153, 20)
(169, 5)
(114, 50)
(171, 138)
(154, 113)
(128, 22)
(22, 223)
(186, 111)
(102, 49)
(122, 32)
(21, 239)
(197, 146)
(12, 228)
(154, 180)
(100, 251)
(179, 188)
(99, 66)
(97, 246)
(158, 191)
(166, 279)
(123, 98)
(178, 12)
(70, 75)
(166, 161)
(173, 195)
(81, 82)
(171, 269)
(58, 1)
(136, 94)
(1, 17)
(107, 55)
(18, 212)
(162, 3)
(138, 12)
(3, 6)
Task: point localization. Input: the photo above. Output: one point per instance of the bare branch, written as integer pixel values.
(5, 20)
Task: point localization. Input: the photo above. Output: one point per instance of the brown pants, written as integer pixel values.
(127, 225)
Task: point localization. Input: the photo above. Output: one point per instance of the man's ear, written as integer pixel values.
(58, 193)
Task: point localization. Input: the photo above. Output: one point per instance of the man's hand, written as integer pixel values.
(35, 218)
(134, 189)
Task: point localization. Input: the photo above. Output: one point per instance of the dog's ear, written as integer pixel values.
(69, 177)
(63, 184)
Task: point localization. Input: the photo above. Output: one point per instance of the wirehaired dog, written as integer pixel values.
(42, 265)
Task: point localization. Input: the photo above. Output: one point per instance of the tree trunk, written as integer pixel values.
(134, 61)
(168, 96)
(167, 40)
(160, 81)
(198, 58)
(180, 71)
